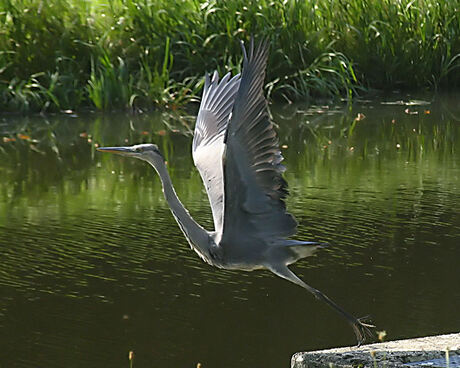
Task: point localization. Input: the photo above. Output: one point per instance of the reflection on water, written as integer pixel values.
(93, 265)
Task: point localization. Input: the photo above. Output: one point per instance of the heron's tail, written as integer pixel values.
(303, 249)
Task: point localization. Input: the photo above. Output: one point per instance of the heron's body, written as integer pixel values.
(247, 253)
(235, 149)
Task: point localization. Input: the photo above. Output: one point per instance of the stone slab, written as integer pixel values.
(409, 353)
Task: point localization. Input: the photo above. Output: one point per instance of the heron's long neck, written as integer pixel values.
(192, 230)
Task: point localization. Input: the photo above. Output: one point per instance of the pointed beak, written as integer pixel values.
(125, 151)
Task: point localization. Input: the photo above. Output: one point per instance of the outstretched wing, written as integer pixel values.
(207, 148)
(253, 183)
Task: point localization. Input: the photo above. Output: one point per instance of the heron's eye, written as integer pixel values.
(138, 150)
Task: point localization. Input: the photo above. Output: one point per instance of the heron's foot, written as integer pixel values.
(362, 329)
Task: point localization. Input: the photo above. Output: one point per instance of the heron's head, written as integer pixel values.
(147, 152)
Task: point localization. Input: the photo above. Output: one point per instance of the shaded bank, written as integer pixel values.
(71, 54)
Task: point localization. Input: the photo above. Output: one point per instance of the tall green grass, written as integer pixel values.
(118, 54)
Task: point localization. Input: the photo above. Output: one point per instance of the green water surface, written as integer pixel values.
(92, 264)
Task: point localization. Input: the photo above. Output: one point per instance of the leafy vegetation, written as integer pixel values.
(133, 54)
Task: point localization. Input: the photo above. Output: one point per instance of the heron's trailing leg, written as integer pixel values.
(360, 328)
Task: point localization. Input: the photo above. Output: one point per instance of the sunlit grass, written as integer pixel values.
(69, 54)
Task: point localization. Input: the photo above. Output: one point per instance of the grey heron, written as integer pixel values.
(236, 151)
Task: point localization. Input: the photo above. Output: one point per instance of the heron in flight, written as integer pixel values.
(235, 148)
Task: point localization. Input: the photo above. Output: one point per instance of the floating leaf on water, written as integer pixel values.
(23, 137)
(427, 112)
(145, 132)
(392, 102)
(407, 111)
(8, 139)
(34, 148)
(84, 135)
(360, 117)
(417, 103)
(162, 132)
(408, 103)
(284, 146)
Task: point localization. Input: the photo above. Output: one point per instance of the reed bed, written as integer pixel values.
(126, 54)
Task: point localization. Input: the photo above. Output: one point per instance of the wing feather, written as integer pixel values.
(207, 148)
(253, 184)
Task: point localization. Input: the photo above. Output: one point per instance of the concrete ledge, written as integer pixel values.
(419, 352)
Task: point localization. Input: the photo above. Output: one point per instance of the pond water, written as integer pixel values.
(92, 264)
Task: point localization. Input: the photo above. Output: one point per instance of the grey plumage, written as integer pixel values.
(235, 148)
